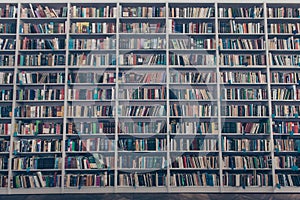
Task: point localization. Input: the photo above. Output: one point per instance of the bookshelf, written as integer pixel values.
(158, 97)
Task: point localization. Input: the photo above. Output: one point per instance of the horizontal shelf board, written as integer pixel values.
(89, 152)
(141, 35)
(39, 135)
(191, 50)
(92, 51)
(242, 34)
(92, 19)
(191, 18)
(142, 135)
(54, 51)
(194, 169)
(40, 101)
(5, 118)
(146, 152)
(141, 50)
(142, 18)
(82, 171)
(242, 67)
(247, 169)
(140, 100)
(281, 152)
(43, 35)
(4, 170)
(284, 50)
(278, 135)
(140, 170)
(92, 100)
(43, 18)
(147, 67)
(249, 189)
(192, 34)
(92, 85)
(4, 136)
(92, 135)
(241, 50)
(90, 189)
(200, 152)
(44, 67)
(125, 85)
(6, 101)
(36, 118)
(250, 136)
(245, 117)
(34, 170)
(257, 101)
(228, 152)
(196, 135)
(38, 153)
(241, 18)
(100, 117)
(40, 84)
(193, 100)
(45, 190)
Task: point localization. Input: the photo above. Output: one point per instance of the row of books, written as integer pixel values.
(284, 60)
(193, 77)
(193, 144)
(143, 93)
(192, 43)
(232, 144)
(245, 110)
(285, 162)
(235, 27)
(19, 163)
(191, 94)
(92, 44)
(36, 180)
(285, 127)
(193, 161)
(286, 145)
(192, 12)
(141, 111)
(93, 59)
(191, 27)
(43, 28)
(142, 59)
(247, 162)
(205, 110)
(141, 162)
(8, 11)
(283, 12)
(142, 43)
(38, 127)
(5, 128)
(244, 180)
(42, 60)
(91, 77)
(142, 127)
(3, 181)
(91, 94)
(244, 44)
(287, 180)
(4, 147)
(154, 179)
(90, 111)
(143, 11)
(242, 59)
(194, 179)
(5, 111)
(85, 180)
(91, 144)
(94, 161)
(243, 94)
(142, 77)
(37, 145)
(246, 12)
(286, 110)
(42, 11)
(42, 44)
(27, 77)
(285, 77)
(6, 95)
(192, 59)
(285, 93)
(290, 28)
(93, 12)
(8, 28)
(145, 27)
(193, 127)
(7, 44)
(7, 60)
(40, 94)
(149, 144)
(245, 127)
(90, 128)
(284, 44)
(92, 27)
(30, 111)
